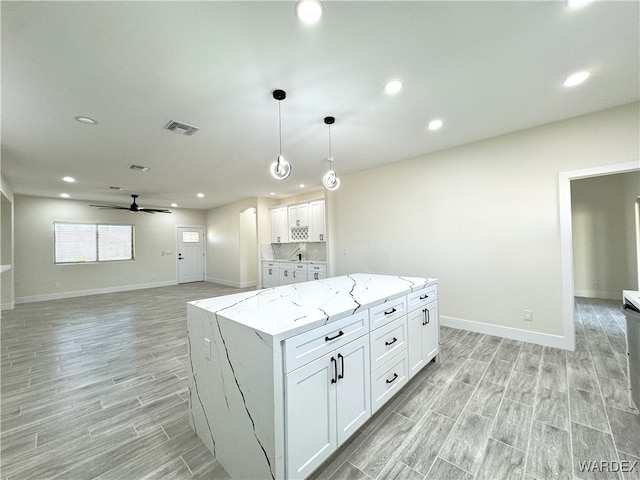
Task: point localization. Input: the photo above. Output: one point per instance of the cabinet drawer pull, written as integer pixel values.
(423, 297)
(395, 375)
(335, 370)
(341, 358)
(389, 312)
(328, 339)
(391, 342)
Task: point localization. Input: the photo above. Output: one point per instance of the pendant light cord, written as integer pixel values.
(330, 157)
(279, 130)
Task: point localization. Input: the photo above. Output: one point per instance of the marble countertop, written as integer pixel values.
(309, 262)
(632, 297)
(284, 311)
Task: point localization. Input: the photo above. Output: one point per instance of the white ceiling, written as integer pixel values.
(484, 68)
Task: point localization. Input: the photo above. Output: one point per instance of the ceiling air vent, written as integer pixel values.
(115, 188)
(181, 128)
(139, 168)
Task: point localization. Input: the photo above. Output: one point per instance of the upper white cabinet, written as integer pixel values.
(279, 225)
(304, 222)
(317, 231)
(299, 215)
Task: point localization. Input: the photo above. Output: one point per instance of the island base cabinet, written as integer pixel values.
(327, 400)
(423, 336)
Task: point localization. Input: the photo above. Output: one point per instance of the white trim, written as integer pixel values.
(8, 306)
(597, 294)
(529, 336)
(566, 234)
(93, 291)
(231, 283)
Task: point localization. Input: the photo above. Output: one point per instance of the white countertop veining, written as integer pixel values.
(633, 297)
(282, 312)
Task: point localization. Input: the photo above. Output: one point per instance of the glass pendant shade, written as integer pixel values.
(280, 169)
(331, 180)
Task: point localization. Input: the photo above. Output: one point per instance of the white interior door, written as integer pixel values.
(190, 254)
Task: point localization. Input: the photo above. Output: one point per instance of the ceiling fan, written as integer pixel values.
(133, 207)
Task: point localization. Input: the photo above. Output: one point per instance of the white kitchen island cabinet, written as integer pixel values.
(281, 377)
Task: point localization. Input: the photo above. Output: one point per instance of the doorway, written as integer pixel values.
(191, 260)
(566, 236)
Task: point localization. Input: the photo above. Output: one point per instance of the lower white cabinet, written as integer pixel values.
(423, 336)
(270, 274)
(327, 400)
(316, 272)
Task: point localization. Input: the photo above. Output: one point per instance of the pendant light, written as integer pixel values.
(280, 169)
(330, 179)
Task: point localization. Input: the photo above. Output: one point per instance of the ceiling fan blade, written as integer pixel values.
(154, 210)
(114, 207)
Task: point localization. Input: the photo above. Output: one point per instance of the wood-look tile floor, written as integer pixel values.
(96, 387)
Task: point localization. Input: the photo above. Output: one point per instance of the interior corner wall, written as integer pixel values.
(7, 289)
(483, 218)
(38, 278)
(223, 242)
(603, 227)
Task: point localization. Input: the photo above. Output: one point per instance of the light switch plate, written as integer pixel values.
(206, 346)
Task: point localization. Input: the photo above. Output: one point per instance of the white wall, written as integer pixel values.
(603, 228)
(248, 248)
(223, 243)
(483, 218)
(38, 278)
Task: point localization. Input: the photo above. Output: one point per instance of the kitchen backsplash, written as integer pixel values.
(313, 251)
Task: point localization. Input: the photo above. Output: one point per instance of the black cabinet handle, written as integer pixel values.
(335, 370)
(328, 339)
(389, 312)
(423, 297)
(395, 375)
(341, 358)
(391, 342)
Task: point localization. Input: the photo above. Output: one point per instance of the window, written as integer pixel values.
(88, 242)
(190, 237)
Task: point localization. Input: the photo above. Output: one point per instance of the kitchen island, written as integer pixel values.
(281, 377)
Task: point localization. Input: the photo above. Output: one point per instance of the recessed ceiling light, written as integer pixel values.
(309, 11)
(174, 205)
(577, 3)
(68, 179)
(301, 185)
(272, 193)
(576, 79)
(64, 195)
(435, 124)
(393, 87)
(200, 195)
(86, 120)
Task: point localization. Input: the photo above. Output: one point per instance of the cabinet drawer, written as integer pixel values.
(308, 346)
(387, 341)
(423, 296)
(271, 265)
(388, 379)
(317, 268)
(387, 312)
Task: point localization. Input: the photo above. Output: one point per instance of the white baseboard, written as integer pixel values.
(545, 339)
(8, 306)
(93, 291)
(599, 294)
(231, 283)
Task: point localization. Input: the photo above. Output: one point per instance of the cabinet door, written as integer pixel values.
(310, 415)
(316, 222)
(299, 215)
(353, 387)
(286, 277)
(299, 276)
(279, 225)
(416, 341)
(430, 332)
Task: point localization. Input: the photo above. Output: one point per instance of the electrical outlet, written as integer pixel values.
(346, 251)
(528, 315)
(206, 346)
